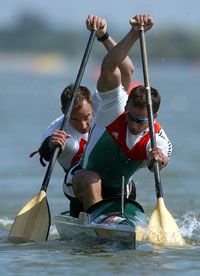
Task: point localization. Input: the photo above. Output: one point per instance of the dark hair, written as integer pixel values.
(82, 94)
(137, 98)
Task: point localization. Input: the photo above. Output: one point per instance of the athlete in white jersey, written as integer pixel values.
(77, 132)
(119, 141)
(74, 138)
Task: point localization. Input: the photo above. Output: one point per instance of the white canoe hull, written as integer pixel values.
(69, 227)
(105, 222)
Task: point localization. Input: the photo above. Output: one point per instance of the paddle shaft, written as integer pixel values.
(122, 196)
(69, 108)
(159, 192)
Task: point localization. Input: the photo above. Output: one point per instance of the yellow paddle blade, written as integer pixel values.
(162, 229)
(33, 221)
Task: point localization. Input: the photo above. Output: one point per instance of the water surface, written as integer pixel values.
(28, 103)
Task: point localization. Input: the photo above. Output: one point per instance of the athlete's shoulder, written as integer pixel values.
(55, 125)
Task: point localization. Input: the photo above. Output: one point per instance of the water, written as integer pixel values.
(28, 103)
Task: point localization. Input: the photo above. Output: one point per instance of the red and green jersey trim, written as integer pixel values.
(118, 131)
(111, 158)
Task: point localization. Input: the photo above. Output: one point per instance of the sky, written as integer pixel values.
(73, 13)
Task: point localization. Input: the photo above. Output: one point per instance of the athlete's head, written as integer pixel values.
(81, 115)
(136, 108)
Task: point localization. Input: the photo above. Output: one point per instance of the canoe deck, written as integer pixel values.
(91, 225)
(69, 227)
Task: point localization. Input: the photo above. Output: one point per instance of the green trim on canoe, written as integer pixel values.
(112, 205)
(65, 213)
(133, 211)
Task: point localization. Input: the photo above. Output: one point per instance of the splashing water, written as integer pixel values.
(190, 226)
(53, 233)
(5, 221)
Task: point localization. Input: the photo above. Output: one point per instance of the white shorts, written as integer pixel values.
(67, 184)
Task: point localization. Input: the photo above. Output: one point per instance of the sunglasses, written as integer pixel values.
(136, 119)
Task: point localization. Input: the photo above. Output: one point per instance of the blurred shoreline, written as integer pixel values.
(57, 64)
(50, 63)
(33, 35)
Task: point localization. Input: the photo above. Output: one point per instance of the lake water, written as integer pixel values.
(28, 103)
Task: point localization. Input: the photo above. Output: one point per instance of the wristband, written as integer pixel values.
(104, 37)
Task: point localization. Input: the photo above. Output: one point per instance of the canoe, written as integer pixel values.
(106, 220)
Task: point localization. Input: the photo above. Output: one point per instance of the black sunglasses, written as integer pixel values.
(136, 119)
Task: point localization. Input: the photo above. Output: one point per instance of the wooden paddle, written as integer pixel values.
(162, 228)
(33, 221)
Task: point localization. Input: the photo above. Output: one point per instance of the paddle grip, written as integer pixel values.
(81, 71)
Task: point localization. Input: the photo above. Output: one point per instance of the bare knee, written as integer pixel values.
(87, 184)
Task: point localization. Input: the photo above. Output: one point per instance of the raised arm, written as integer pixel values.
(111, 76)
(126, 67)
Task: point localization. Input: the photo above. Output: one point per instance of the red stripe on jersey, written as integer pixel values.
(79, 153)
(117, 131)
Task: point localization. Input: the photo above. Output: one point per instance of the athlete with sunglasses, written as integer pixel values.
(119, 142)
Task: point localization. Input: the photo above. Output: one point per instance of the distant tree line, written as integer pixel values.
(33, 34)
